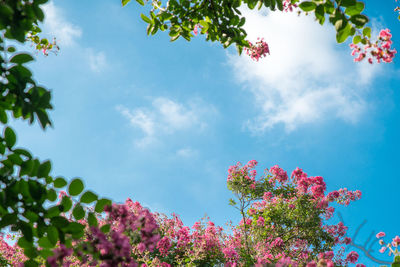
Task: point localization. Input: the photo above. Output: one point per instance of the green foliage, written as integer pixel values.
(28, 191)
(222, 21)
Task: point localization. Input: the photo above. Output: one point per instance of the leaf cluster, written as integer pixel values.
(222, 21)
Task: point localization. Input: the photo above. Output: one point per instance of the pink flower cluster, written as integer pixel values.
(270, 233)
(392, 246)
(344, 196)
(288, 6)
(380, 50)
(279, 173)
(60, 254)
(132, 217)
(237, 174)
(258, 50)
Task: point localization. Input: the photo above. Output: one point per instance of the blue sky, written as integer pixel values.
(160, 122)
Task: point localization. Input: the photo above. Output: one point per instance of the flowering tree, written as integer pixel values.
(75, 230)
(283, 222)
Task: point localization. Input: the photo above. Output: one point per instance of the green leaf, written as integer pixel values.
(8, 219)
(31, 216)
(26, 167)
(10, 137)
(66, 203)
(53, 212)
(92, 219)
(140, 2)
(23, 152)
(59, 221)
(44, 242)
(101, 203)
(356, 39)
(3, 116)
(52, 234)
(75, 228)
(124, 2)
(78, 212)
(279, 4)
(320, 14)
(347, 3)
(26, 230)
(11, 49)
(359, 20)
(340, 24)
(59, 182)
(145, 19)
(21, 58)
(342, 35)
(44, 169)
(252, 4)
(105, 228)
(23, 243)
(51, 195)
(75, 187)
(307, 6)
(355, 9)
(31, 252)
(88, 197)
(45, 253)
(367, 32)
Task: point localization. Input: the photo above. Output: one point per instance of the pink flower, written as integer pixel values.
(260, 221)
(396, 241)
(380, 234)
(352, 257)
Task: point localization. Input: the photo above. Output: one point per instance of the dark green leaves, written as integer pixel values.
(320, 14)
(342, 35)
(75, 187)
(66, 203)
(59, 182)
(10, 137)
(359, 20)
(347, 3)
(88, 197)
(101, 203)
(124, 2)
(21, 58)
(78, 212)
(92, 220)
(307, 6)
(44, 169)
(355, 9)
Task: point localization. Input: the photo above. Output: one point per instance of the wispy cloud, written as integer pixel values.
(57, 25)
(186, 152)
(97, 60)
(167, 117)
(307, 78)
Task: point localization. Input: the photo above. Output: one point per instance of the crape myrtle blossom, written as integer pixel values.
(276, 204)
(392, 246)
(283, 223)
(379, 51)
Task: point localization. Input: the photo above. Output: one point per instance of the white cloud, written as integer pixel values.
(186, 152)
(97, 60)
(56, 25)
(308, 77)
(167, 117)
